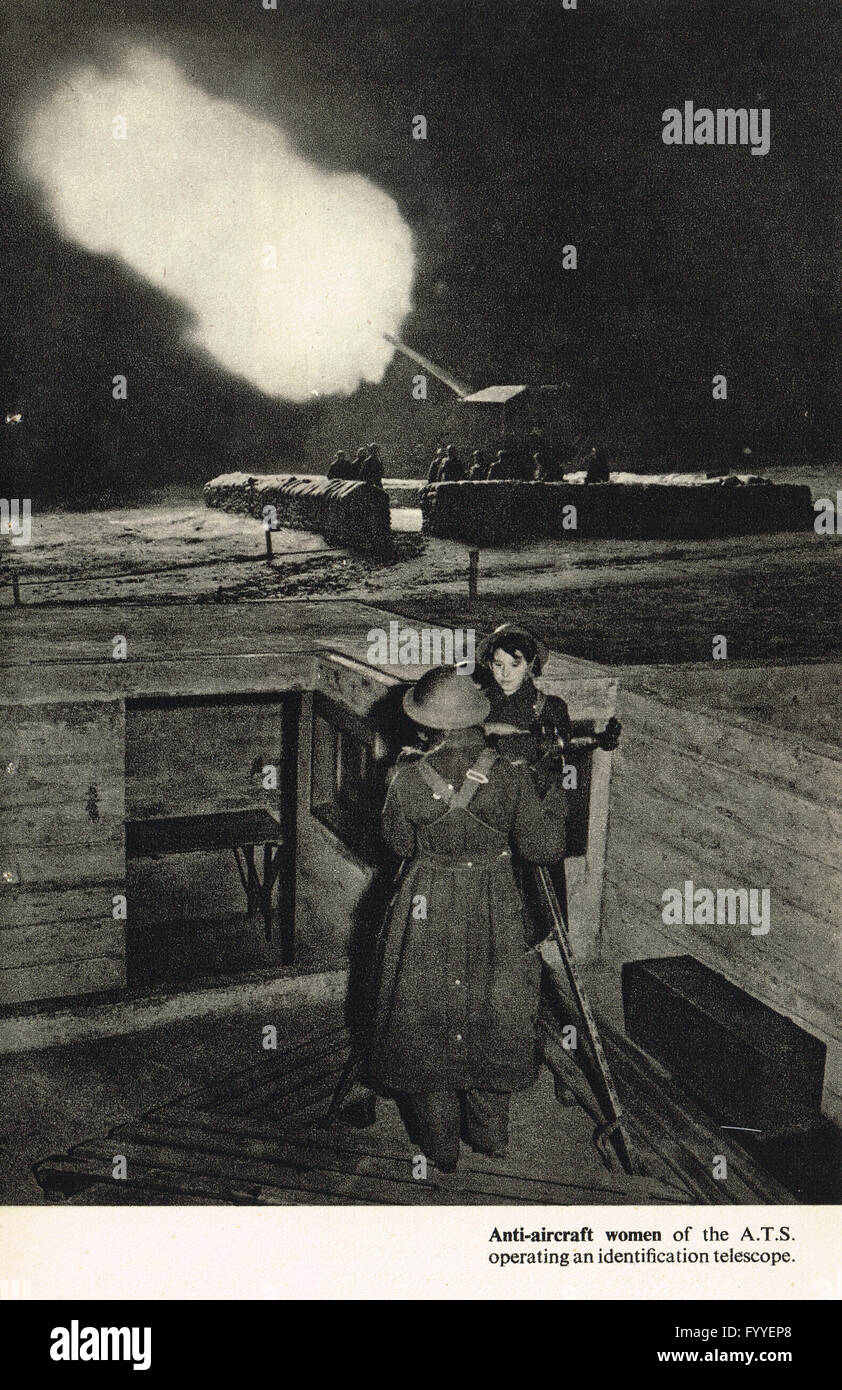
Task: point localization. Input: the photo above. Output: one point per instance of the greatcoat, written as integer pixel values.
(458, 991)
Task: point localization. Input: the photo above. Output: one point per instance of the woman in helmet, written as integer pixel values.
(457, 994)
(531, 721)
(532, 730)
(535, 727)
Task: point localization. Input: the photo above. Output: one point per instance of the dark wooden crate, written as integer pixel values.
(747, 1064)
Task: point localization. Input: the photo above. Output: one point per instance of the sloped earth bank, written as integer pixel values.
(775, 598)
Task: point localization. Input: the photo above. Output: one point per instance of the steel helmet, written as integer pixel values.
(446, 698)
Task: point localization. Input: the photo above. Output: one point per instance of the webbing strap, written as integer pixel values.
(438, 786)
(475, 778)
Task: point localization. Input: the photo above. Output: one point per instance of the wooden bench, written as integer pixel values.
(240, 831)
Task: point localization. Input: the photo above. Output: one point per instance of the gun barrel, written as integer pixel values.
(461, 388)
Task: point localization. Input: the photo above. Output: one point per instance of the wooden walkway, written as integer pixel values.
(257, 1138)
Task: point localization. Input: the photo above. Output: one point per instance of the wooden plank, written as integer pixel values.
(244, 1175)
(190, 834)
(263, 1158)
(31, 728)
(757, 962)
(38, 635)
(63, 782)
(311, 1095)
(61, 828)
(270, 991)
(177, 649)
(150, 797)
(97, 821)
(60, 979)
(793, 936)
(351, 684)
(113, 1194)
(313, 1138)
(616, 1183)
(55, 772)
(72, 1174)
(732, 683)
(329, 1043)
(63, 866)
(682, 829)
(794, 820)
(359, 1173)
(31, 907)
(56, 943)
(585, 877)
(788, 760)
(300, 1129)
(167, 1154)
(660, 864)
(797, 955)
(272, 1085)
(590, 698)
(162, 678)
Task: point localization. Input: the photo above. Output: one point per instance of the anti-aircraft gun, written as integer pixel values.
(520, 416)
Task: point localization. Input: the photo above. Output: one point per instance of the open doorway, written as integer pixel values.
(210, 836)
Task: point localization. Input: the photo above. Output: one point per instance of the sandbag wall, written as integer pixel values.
(346, 513)
(495, 513)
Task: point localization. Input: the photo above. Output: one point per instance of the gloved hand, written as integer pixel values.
(610, 736)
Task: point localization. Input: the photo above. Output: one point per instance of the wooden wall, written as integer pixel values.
(803, 699)
(62, 849)
(729, 803)
(593, 697)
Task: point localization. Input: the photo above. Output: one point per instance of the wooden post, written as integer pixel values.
(473, 573)
(15, 588)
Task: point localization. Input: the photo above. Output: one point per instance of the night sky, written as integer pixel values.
(544, 128)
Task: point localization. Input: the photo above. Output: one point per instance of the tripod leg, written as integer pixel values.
(344, 1085)
(614, 1129)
